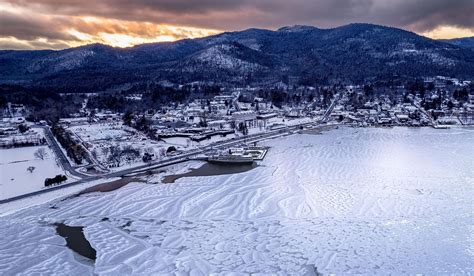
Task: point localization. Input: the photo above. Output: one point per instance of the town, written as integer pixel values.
(118, 133)
(307, 137)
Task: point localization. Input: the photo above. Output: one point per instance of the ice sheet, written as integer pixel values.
(370, 201)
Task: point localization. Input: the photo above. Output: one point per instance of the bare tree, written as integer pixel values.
(129, 153)
(41, 153)
(150, 150)
(161, 153)
(31, 169)
(104, 151)
(115, 155)
(148, 155)
(232, 124)
(94, 153)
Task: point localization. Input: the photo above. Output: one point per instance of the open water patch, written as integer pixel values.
(76, 241)
(209, 169)
(111, 186)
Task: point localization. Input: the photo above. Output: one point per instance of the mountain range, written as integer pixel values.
(306, 55)
(467, 42)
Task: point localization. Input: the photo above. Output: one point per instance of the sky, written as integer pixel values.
(58, 24)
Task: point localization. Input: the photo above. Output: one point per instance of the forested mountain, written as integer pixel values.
(463, 42)
(297, 54)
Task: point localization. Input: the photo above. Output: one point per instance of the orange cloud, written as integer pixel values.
(448, 32)
(34, 24)
(22, 28)
(122, 33)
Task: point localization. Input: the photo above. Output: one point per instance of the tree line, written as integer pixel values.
(73, 149)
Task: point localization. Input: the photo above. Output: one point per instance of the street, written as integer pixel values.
(161, 163)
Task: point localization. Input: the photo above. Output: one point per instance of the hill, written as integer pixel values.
(463, 42)
(296, 54)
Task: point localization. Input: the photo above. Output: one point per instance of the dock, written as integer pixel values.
(238, 155)
(258, 153)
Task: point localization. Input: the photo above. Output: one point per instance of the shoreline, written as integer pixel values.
(118, 182)
(311, 192)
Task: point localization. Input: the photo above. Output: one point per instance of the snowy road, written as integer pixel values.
(84, 178)
(162, 163)
(59, 153)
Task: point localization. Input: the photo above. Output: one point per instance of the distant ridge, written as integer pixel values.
(463, 42)
(297, 28)
(296, 55)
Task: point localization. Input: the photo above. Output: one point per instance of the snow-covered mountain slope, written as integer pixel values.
(59, 62)
(354, 52)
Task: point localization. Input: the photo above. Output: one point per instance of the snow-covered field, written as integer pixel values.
(369, 201)
(103, 131)
(100, 136)
(14, 177)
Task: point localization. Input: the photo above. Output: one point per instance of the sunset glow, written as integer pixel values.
(448, 32)
(57, 24)
(126, 34)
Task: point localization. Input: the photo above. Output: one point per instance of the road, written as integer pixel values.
(59, 153)
(330, 109)
(91, 158)
(422, 110)
(162, 163)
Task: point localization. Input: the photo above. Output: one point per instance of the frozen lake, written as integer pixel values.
(370, 201)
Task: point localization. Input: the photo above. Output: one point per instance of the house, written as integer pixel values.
(402, 117)
(294, 113)
(217, 123)
(14, 120)
(267, 116)
(244, 115)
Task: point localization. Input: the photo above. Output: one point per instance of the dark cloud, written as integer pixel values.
(27, 27)
(420, 15)
(424, 15)
(14, 44)
(32, 22)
